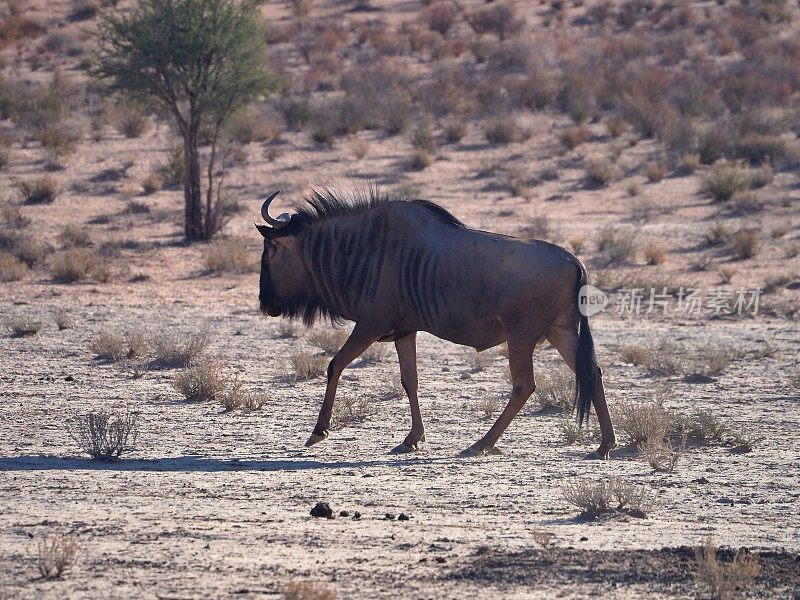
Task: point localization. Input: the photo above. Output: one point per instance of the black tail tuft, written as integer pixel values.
(586, 361)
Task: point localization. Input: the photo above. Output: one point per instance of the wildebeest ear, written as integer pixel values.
(265, 230)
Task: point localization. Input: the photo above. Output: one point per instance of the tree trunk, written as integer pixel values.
(193, 225)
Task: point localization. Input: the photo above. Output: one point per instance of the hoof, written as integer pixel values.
(602, 453)
(404, 449)
(315, 439)
(478, 450)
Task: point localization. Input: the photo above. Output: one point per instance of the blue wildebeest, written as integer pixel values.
(398, 266)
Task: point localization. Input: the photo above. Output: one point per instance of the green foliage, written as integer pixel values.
(202, 60)
(208, 54)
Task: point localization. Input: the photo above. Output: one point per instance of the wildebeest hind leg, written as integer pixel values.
(361, 339)
(407, 356)
(564, 338)
(520, 361)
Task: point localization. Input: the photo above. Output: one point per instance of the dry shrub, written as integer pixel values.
(204, 382)
(746, 202)
(609, 496)
(717, 234)
(22, 326)
(724, 180)
(575, 434)
(454, 130)
(505, 129)
(11, 268)
(572, 137)
(539, 228)
(234, 396)
(655, 171)
(689, 163)
(662, 455)
(307, 365)
(376, 353)
(599, 171)
(420, 159)
(703, 427)
(77, 264)
(152, 183)
(56, 555)
(12, 217)
(500, 19)
(349, 411)
(5, 158)
(170, 351)
(62, 319)
(58, 138)
(114, 347)
(288, 330)
(723, 580)
(301, 8)
(745, 244)
(490, 405)
(328, 340)
(229, 255)
(359, 148)
(670, 358)
(74, 236)
(476, 361)
(105, 434)
(655, 253)
(172, 171)
(308, 590)
(616, 245)
(42, 190)
(246, 127)
(577, 243)
(635, 354)
(556, 390)
(85, 9)
(440, 15)
(644, 421)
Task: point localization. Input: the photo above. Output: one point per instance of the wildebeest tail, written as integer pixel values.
(586, 360)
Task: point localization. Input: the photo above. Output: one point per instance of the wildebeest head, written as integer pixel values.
(281, 267)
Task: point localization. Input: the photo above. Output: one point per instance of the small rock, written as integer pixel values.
(69, 378)
(403, 517)
(701, 480)
(389, 517)
(441, 559)
(344, 513)
(584, 539)
(725, 500)
(356, 516)
(322, 509)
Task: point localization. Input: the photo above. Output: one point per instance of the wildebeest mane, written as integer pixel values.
(338, 200)
(347, 257)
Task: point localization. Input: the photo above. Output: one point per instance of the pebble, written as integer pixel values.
(322, 509)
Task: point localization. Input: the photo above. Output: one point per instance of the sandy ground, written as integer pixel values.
(213, 504)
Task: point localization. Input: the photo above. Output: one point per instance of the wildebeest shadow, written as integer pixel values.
(201, 464)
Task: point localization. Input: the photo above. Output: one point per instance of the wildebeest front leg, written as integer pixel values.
(361, 339)
(520, 361)
(407, 355)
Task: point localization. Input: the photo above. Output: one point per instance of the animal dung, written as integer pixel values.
(322, 509)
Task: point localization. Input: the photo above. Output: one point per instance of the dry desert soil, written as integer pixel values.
(216, 504)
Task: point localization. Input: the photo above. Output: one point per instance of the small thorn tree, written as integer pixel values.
(201, 60)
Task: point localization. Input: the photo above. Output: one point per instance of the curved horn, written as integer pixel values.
(281, 221)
